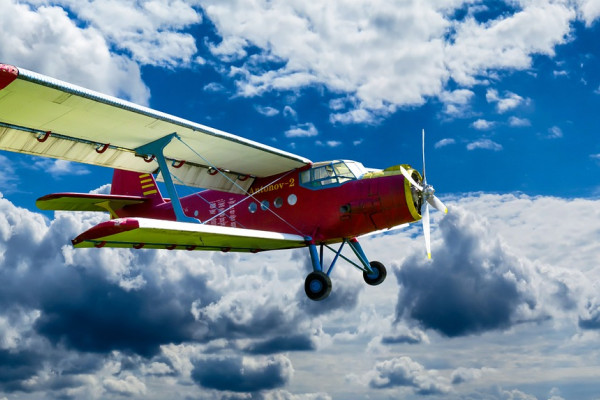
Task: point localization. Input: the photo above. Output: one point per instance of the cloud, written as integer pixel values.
(214, 87)
(485, 144)
(590, 11)
(329, 143)
(60, 168)
(591, 315)
(249, 316)
(473, 285)
(129, 386)
(457, 102)
(503, 104)
(83, 318)
(150, 31)
(518, 122)
(403, 335)
(444, 142)
(353, 45)
(302, 130)
(289, 112)
(355, 116)
(294, 342)
(46, 40)
(267, 111)
(554, 133)
(404, 372)
(508, 41)
(482, 124)
(463, 375)
(242, 374)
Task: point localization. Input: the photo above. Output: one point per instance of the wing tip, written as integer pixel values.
(8, 73)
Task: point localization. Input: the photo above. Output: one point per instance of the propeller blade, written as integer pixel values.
(437, 204)
(423, 148)
(410, 179)
(426, 228)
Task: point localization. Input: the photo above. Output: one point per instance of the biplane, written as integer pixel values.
(254, 197)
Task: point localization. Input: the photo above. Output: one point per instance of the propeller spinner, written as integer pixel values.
(427, 193)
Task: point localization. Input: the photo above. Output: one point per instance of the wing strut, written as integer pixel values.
(155, 149)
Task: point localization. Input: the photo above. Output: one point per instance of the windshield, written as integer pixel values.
(332, 173)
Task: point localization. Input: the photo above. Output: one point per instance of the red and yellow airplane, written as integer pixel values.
(256, 197)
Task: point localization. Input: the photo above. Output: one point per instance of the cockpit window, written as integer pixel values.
(329, 174)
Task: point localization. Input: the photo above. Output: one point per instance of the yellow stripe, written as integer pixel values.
(144, 176)
(149, 192)
(409, 199)
(148, 186)
(146, 181)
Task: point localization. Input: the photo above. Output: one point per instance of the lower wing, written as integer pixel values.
(172, 235)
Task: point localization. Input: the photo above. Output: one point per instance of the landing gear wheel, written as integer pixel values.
(377, 276)
(317, 285)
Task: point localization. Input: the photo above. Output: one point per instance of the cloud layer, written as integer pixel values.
(383, 54)
(109, 323)
(377, 55)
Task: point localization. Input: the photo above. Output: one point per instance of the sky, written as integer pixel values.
(507, 309)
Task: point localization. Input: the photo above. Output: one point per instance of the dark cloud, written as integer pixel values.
(401, 339)
(16, 367)
(237, 374)
(99, 316)
(73, 311)
(279, 344)
(472, 285)
(592, 318)
(88, 302)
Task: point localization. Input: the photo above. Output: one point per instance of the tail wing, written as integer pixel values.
(128, 188)
(86, 202)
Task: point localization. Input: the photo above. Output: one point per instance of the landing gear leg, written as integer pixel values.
(318, 285)
(374, 272)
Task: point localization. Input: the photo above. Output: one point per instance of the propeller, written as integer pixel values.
(428, 198)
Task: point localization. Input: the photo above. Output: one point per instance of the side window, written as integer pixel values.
(305, 177)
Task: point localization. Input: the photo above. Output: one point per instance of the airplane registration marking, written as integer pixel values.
(274, 187)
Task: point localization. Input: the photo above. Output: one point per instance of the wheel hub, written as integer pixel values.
(316, 286)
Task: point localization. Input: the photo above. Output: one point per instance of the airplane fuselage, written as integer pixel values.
(327, 211)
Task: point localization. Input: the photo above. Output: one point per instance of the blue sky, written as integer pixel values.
(508, 93)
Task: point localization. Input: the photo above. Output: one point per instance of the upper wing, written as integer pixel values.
(47, 117)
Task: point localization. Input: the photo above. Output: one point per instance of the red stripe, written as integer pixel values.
(107, 228)
(8, 74)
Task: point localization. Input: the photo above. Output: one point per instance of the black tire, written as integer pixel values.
(317, 285)
(378, 275)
